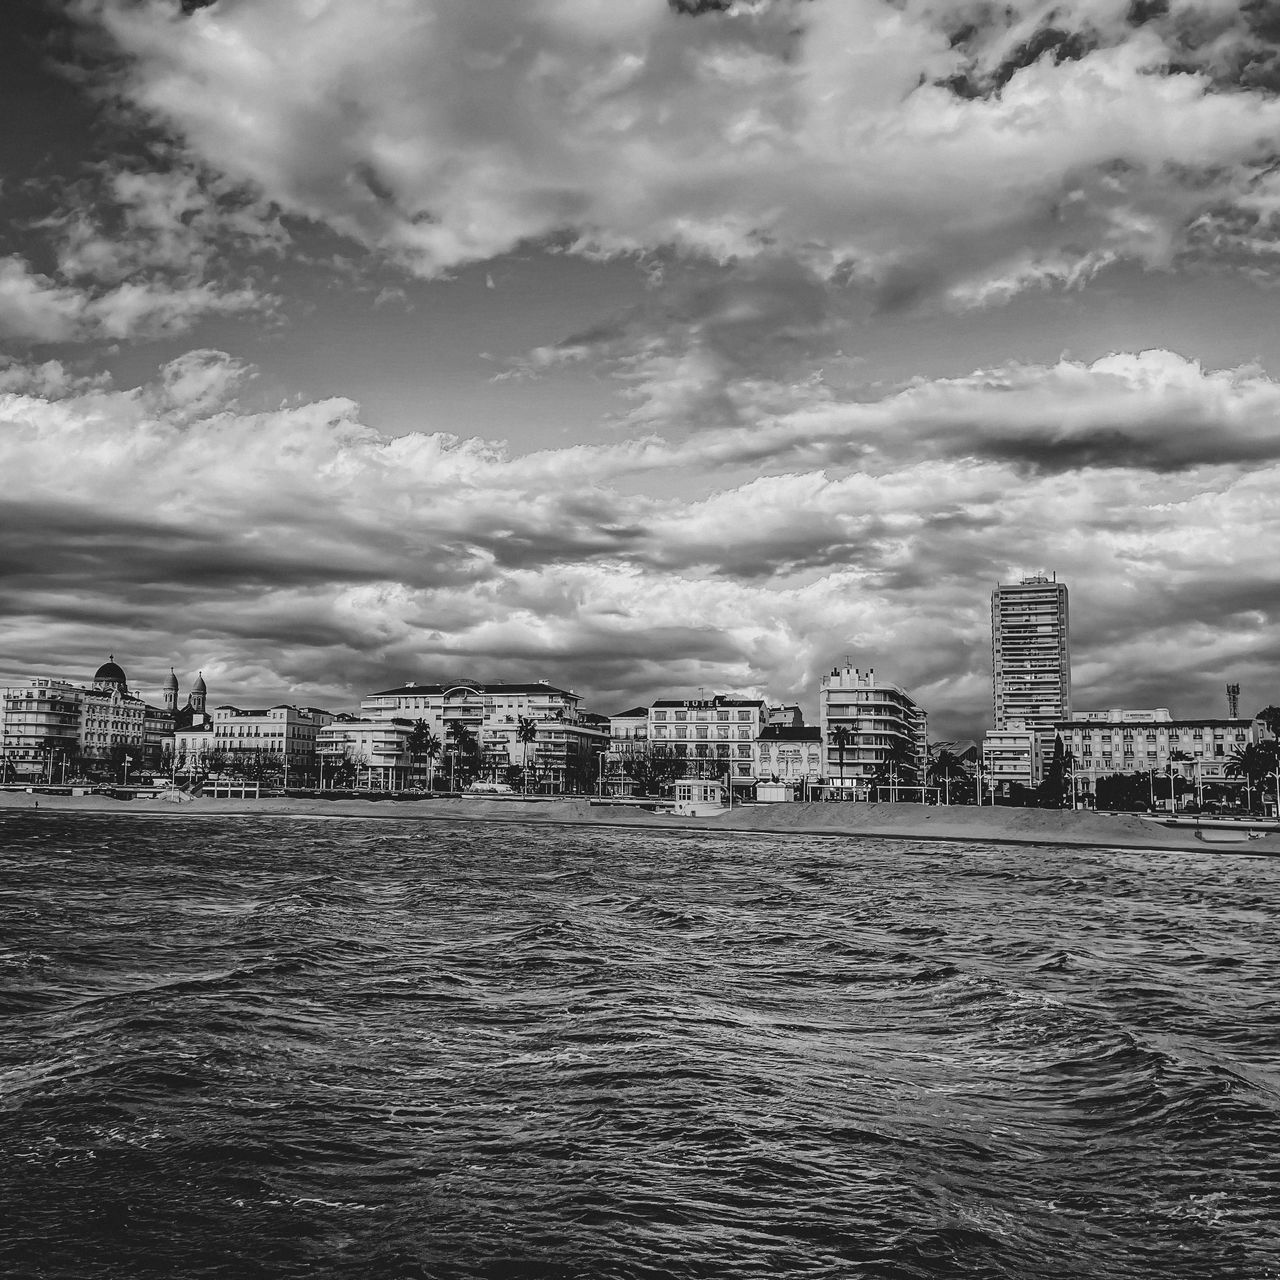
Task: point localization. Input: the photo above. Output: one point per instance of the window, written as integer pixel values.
(744, 715)
(659, 715)
(682, 715)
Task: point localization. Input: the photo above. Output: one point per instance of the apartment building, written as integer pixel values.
(887, 732)
(1011, 755)
(377, 751)
(50, 726)
(1031, 657)
(563, 757)
(282, 737)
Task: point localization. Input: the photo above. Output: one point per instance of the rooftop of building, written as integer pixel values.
(636, 713)
(484, 690)
(790, 733)
(111, 670)
(708, 704)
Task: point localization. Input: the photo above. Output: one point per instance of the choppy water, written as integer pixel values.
(258, 1047)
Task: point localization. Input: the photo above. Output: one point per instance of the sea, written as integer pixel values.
(293, 1047)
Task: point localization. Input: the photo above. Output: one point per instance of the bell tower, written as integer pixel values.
(198, 694)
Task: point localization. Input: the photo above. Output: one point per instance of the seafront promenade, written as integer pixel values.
(894, 821)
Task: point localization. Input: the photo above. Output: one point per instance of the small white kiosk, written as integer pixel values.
(699, 798)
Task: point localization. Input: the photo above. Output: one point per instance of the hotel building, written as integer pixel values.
(1120, 740)
(713, 736)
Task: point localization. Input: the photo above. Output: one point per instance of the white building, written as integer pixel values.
(52, 728)
(883, 724)
(376, 750)
(788, 760)
(712, 736)
(1121, 740)
(1031, 657)
(279, 739)
(564, 755)
(1009, 755)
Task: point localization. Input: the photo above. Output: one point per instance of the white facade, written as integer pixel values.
(1120, 740)
(790, 756)
(882, 721)
(283, 736)
(1031, 656)
(1010, 755)
(713, 736)
(378, 749)
(564, 755)
(53, 728)
(192, 747)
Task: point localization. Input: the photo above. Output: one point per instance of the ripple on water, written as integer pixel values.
(451, 1050)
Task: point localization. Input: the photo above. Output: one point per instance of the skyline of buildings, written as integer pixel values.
(870, 731)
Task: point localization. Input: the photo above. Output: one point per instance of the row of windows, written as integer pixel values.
(699, 731)
(1238, 735)
(681, 716)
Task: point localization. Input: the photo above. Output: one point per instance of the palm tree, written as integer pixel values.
(1252, 762)
(526, 733)
(416, 742)
(1058, 784)
(945, 767)
(899, 762)
(431, 747)
(841, 736)
(464, 748)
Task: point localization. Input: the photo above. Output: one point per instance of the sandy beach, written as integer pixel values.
(897, 821)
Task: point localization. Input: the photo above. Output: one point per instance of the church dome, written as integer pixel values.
(111, 671)
(171, 680)
(199, 686)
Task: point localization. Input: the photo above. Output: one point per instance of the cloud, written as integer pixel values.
(134, 253)
(856, 136)
(35, 308)
(299, 549)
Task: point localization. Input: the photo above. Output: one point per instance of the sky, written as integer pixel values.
(648, 347)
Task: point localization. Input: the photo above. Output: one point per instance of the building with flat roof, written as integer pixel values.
(1031, 656)
(714, 737)
(1150, 740)
(277, 740)
(1010, 755)
(790, 756)
(872, 733)
(563, 755)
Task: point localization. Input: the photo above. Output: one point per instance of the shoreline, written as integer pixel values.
(943, 823)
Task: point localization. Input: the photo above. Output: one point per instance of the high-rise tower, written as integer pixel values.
(1030, 654)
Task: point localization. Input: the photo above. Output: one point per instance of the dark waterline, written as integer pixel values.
(254, 1047)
